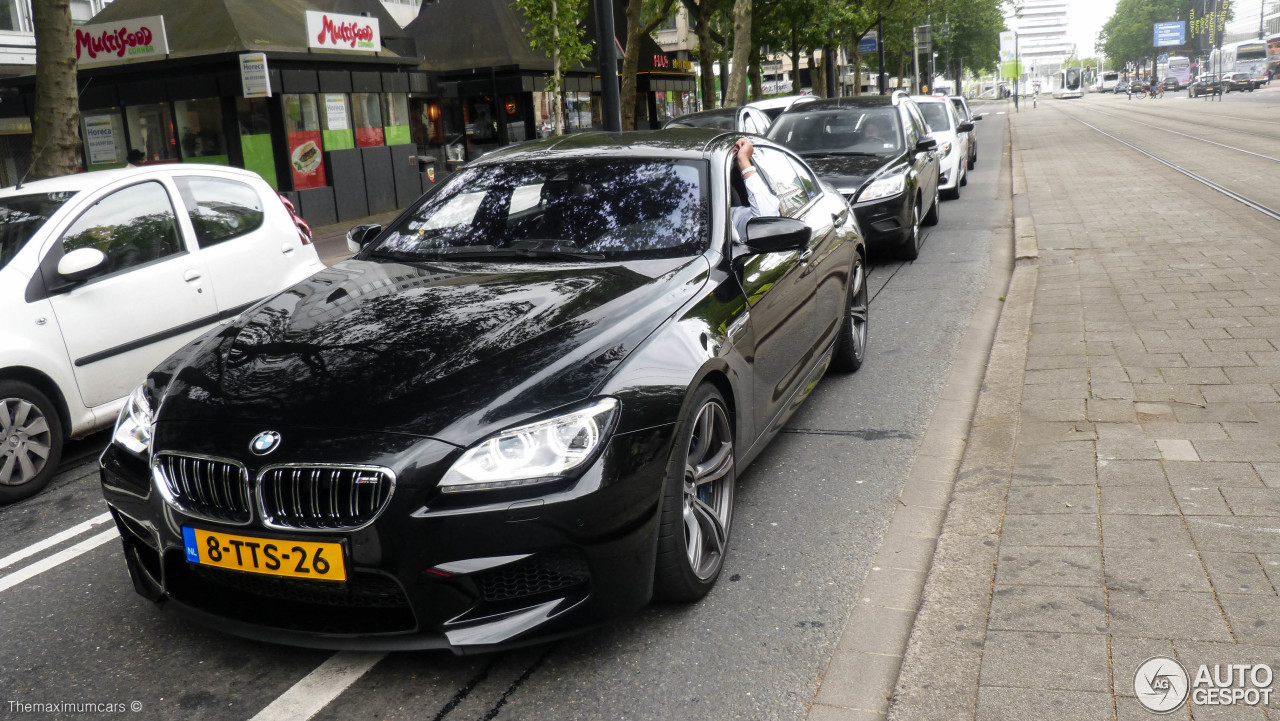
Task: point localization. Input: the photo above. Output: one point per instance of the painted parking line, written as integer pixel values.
(57, 559)
(54, 540)
(307, 697)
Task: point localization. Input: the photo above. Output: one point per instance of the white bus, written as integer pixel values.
(1110, 79)
(1246, 56)
(1178, 68)
(1069, 83)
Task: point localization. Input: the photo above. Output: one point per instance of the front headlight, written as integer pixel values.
(536, 453)
(885, 187)
(946, 149)
(135, 425)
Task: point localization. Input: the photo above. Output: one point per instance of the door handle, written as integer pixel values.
(804, 257)
(838, 218)
(287, 249)
(192, 277)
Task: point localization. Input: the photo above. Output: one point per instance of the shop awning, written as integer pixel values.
(212, 27)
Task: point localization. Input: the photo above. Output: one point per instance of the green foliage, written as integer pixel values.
(570, 16)
(1127, 35)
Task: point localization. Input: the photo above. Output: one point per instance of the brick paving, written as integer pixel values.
(1141, 509)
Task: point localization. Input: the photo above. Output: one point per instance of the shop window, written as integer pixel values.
(482, 127)
(255, 138)
(366, 111)
(220, 209)
(132, 227)
(151, 131)
(433, 122)
(335, 122)
(578, 111)
(200, 130)
(304, 139)
(103, 135)
(395, 116)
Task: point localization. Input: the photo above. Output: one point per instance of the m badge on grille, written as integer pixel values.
(264, 443)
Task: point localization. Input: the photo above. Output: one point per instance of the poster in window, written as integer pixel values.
(306, 159)
(101, 139)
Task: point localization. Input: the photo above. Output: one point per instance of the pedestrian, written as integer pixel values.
(134, 158)
(763, 203)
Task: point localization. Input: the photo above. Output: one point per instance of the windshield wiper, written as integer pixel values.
(824, 153)
(509, 253)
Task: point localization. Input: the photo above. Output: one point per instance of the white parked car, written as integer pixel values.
(104, 274)
(952, 135)
(962, 111)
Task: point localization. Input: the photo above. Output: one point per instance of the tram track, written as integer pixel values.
(1262, 208)
(1198, 121)
(1196, 137)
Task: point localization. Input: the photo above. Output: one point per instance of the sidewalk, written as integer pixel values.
(1119, 494)
(331, 240)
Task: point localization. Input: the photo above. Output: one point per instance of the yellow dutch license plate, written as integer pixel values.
(269, 556)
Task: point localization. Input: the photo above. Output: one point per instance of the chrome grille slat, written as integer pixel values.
(208, 488)
(322, 497)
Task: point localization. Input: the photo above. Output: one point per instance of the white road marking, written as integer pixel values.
(1000, 113)
(309, 696)
(57, 559)
(54, 540)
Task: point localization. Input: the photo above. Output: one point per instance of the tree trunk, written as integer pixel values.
(795, 60)
(757, 77)
(631, 65)
(737, 90)
(817, 78)
(857, 70)
(557, 91)
(55, 138)
(724, 76)
(701, 13)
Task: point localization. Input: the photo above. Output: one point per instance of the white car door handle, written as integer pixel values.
(287, 249)
(192, 277)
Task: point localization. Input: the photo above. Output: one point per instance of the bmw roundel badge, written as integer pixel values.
(264, 443)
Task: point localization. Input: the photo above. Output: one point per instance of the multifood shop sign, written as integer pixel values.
(136, 38)
(329, 31)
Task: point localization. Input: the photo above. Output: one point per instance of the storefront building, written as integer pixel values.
(314, 101)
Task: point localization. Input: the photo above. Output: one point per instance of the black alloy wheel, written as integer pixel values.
(697, 501)
(30, 440)
(851, 344)
(935, 213)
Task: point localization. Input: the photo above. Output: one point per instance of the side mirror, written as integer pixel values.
(977, 117)
(965, 127)
(81, 264)
(925, 144)
(777, 235)
(361, 235)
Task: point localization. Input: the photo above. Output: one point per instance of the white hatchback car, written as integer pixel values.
(104, 274)
(952, 135)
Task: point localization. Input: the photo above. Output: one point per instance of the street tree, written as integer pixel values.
(556, 28)
(742, 44)
(643, 17)
(55, 128)
(1127, 34)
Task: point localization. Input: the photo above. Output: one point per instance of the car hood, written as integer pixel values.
(847, 172)
(451, 351)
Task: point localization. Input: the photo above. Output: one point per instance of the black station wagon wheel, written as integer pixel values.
(935, 212)
(911, 243)
(697, 501)
(851, 344)
(30, 440)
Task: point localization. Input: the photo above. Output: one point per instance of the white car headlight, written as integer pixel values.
(946, 149)
(536, 453)
(885, 187)
(136, 423)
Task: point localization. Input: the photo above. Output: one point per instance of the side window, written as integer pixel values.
(807, 182)
(220, 209)
(133, 226)
(782, 178)
(909, 127)
(749, 124)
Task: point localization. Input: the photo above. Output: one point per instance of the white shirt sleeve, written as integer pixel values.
(764, 203)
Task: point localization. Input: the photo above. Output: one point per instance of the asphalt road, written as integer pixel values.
(810, 514)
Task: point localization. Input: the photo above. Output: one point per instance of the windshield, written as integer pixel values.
(852, 130)
(21, 216)
(571, 208)
(719, 121)
(935, 114)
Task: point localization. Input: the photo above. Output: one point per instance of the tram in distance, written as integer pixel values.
(1069, 83)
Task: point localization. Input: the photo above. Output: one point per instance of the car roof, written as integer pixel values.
(930, 99)
(717, 113)
(855, 101)
(678, 143)
(779, 102)
(77, 182)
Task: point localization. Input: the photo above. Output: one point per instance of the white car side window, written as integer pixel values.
(133, 227)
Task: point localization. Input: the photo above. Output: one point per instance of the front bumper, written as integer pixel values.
(886, 221)
(469, 574)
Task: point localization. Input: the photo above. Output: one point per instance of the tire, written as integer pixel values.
(30, 440)
(697, 506)
(964, 179)
(973, 160)
(910, 249)
(851, 344)
(935, 213)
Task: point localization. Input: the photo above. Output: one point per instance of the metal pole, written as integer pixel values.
(829, 66)
(1017, 73)
(607, 50)
(880, 54)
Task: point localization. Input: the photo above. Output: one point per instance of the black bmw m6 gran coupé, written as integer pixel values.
(517, 411)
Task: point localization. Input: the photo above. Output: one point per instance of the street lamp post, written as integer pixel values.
(1017, 73)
